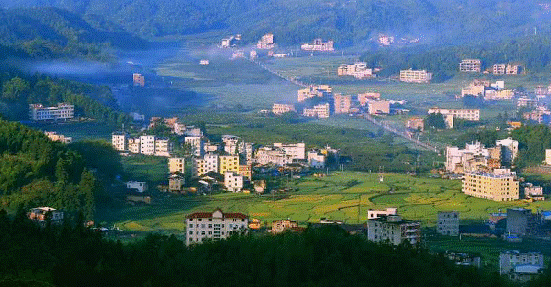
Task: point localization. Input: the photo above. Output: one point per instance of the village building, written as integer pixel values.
(447, 223)
(364, 98)
(201, 226)
(316, 159)
(416, 124)
(228, 163)
(321, 111)
(233, 181)
(138, 80)
(379, 107)
(63, 111)
(470, 65)
(137, 186)
(279, 109)
(357, 70)
(196, 144)
(342, 103)
(119, 141)
(279, 226)
(320, 91)
(53, 136)
(393, 229)
(177, 164)
(415, 76)
(318, 45)
(500, 185)
(377, 213)
(176, 182)
(520, 266)
(42, 214)
(266, 42)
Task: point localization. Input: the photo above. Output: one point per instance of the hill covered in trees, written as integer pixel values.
(318, 257)
(54, 33)
(294, 21)
(35, 171)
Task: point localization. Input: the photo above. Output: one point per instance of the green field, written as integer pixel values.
(341, 196)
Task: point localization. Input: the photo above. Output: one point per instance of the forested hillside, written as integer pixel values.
(317, 257)
(54, 33)
(294, 21)
(35, 171)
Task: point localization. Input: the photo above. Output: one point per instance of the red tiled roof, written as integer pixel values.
(209, 215)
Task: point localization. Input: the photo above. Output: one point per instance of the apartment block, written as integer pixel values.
(138, 80)
(318, 45)
(447, 223)
(147, 145)
(364, 98)
(208, 163)
(266, 42)
(499, 69)
(196, 143)
(342, 103)
(119, 141)
(470, 65)
(177, 165)
(201, 226)
(295, 151)
(134, 145)
(520, 266)
(509, 148)
(228, 163)
(246, 170)
(379, 107)
(63, 111)
(321, 111)
(415, 76)
(501, 185)
(393, 229)
(233, 181)
(320, 91)
(357, 70)
(163, 147)
(279, 109)
(513, 69)
(272, 155)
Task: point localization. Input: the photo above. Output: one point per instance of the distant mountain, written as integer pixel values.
(50, 32)
(348, 22)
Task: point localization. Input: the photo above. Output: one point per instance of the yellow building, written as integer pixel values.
(176, 164)
(229, 163)
(498, 186)
(246, 170)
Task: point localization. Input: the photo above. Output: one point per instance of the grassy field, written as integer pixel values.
(341, 196)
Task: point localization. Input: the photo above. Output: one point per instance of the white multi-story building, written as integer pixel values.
(119, 141)
(470, 65)
(134, 145)
(208, 163)
(233, 181)
(271, 155)
(448, 223)
(318, 45)
(296, 151)
(201, 226)
(393, 229)
(163, 147)
(415, 76)
(196, 144)
(63, 111)
(357, 70)
(147, 145)
(279, 109)
(509, 149)
(321, 111)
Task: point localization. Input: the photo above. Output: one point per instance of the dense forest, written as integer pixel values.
(55, 33)
(35, 171)
(294, 21)
(18, 91)
(74, 256)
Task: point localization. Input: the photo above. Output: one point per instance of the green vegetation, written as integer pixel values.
(35, 171)
(533, 140)
(55, 33)
(90, 101)
(333, 197)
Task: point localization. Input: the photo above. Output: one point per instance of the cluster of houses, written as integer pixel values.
(488, 91)
(54, 136)
(357, 70)
(485, 171)
(475, 66)
(320, 102)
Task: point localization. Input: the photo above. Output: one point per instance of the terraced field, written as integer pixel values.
(340, 196)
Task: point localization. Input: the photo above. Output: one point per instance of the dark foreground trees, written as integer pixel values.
(73, 256)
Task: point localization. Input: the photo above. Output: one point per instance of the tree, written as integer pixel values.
(435, 120)
(15, 89)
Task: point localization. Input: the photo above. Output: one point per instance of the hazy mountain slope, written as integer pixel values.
(293, 21)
